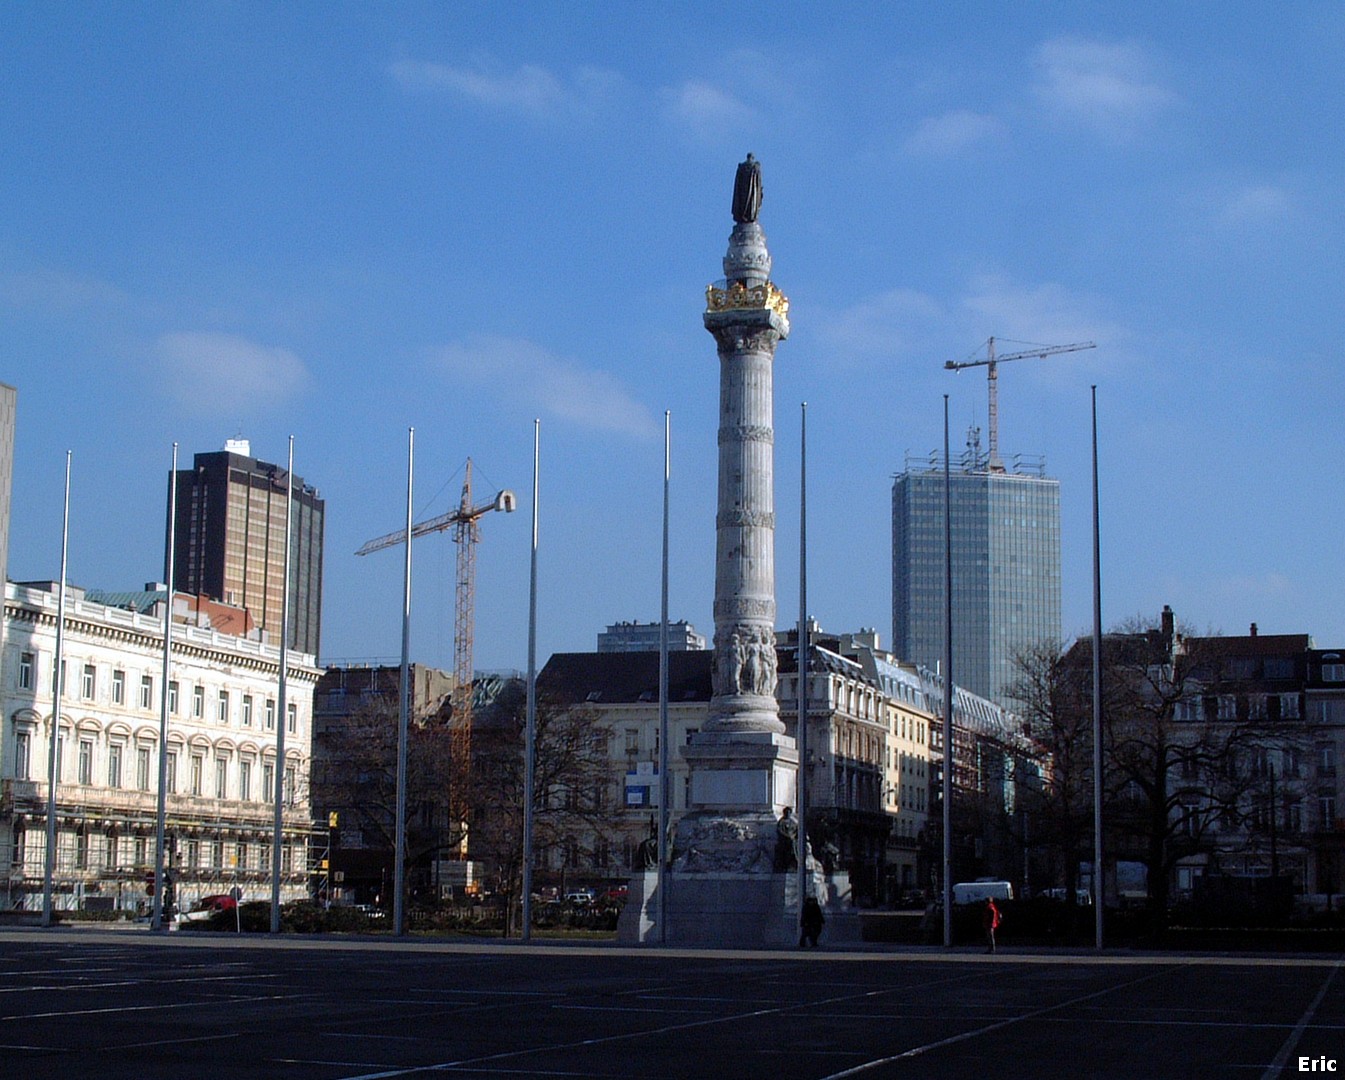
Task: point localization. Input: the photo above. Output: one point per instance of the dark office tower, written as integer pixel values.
(1006, 565)
(231, 541)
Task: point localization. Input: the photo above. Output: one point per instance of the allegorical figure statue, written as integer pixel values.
(786, 837)
(747, 190)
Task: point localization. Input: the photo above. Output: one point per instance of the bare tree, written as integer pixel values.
(1181, 752)
(571, 805)
(355, 772)
(1054, 698)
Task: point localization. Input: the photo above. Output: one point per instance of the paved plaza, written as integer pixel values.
(107, 1004)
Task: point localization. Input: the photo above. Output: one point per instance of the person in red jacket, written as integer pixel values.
(990, 923)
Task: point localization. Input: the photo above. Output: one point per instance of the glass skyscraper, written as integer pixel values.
(1006, 566)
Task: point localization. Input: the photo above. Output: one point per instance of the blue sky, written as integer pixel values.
(338, 221)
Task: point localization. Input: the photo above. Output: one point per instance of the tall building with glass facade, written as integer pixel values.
(1005, 561)
(230, 541)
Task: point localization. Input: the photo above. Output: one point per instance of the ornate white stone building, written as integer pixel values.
(221, 747)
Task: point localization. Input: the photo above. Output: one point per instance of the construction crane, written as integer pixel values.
(466, 534)
(991, 362)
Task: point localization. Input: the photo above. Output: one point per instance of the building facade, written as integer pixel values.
(645, 637)
(221, 756)
(873, 755)
(1005, 563)
(230, 541)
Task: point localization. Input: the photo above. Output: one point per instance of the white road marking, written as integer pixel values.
(1277, 1064)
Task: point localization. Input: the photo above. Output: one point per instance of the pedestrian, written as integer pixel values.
(990, 923)
(810, 922)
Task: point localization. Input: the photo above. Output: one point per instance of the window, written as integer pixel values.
(85, 761)
(1293, 816)
(268, 782)
(632, 740)
(82, 850)
(197, 768)
(25, 671)
(193, 854)
(270, 714)
(217, 854)
(114, 753)
(241, 856)
(170, 773)
(87, 683)
(221, 777)
(119, 688)
(1289, 706)
(1291, 761)
(292, 717)
(142, 768)
(222, 712)
(172, 697)
(245, 780)
(1326, 759)
(146, 692)
(247, 710)
(110, 852)
(290, 777)
(198, 702)
(1333, 673)
(1326, 811)
(23, 750)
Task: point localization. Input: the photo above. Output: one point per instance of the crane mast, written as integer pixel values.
(466, 533)
(991, 364)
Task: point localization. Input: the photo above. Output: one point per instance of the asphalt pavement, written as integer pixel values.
(76, 1002)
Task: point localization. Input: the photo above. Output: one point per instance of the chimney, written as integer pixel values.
(1253, 629)
(1169, 623)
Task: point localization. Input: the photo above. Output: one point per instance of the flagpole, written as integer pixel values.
(801, 728)
(947, 688)
(58, 687)
(664, 785)
(1097, 697)
(161, 810)
(530, 730)
(282, 713)
(403, 708)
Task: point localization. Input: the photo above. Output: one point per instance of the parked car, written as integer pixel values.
(208, 906)
(579, 897)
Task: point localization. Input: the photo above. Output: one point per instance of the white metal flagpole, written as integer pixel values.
(282, 714)
(947, 688)
(57, 689)
(802, 728)
(404, 710)
(664, 787)
(161, 816)
(1097, 698)
(530, 731)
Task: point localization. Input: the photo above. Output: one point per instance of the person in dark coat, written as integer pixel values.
(990, 923)
(810, 922)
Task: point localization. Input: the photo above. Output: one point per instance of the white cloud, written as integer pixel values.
(706, 110)
(1256, 204)
(1108, 87)
(952, 132)
(528, 90)
(224, 373)
(890, 323)
(902, 323)
(1041, 313)
(56, 291)
(545, 382)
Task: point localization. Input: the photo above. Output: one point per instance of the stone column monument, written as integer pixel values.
(726, 885)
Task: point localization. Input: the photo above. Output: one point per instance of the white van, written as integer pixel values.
(978, 892)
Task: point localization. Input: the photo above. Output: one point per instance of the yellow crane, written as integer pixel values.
(991, 363)
(466, 534)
